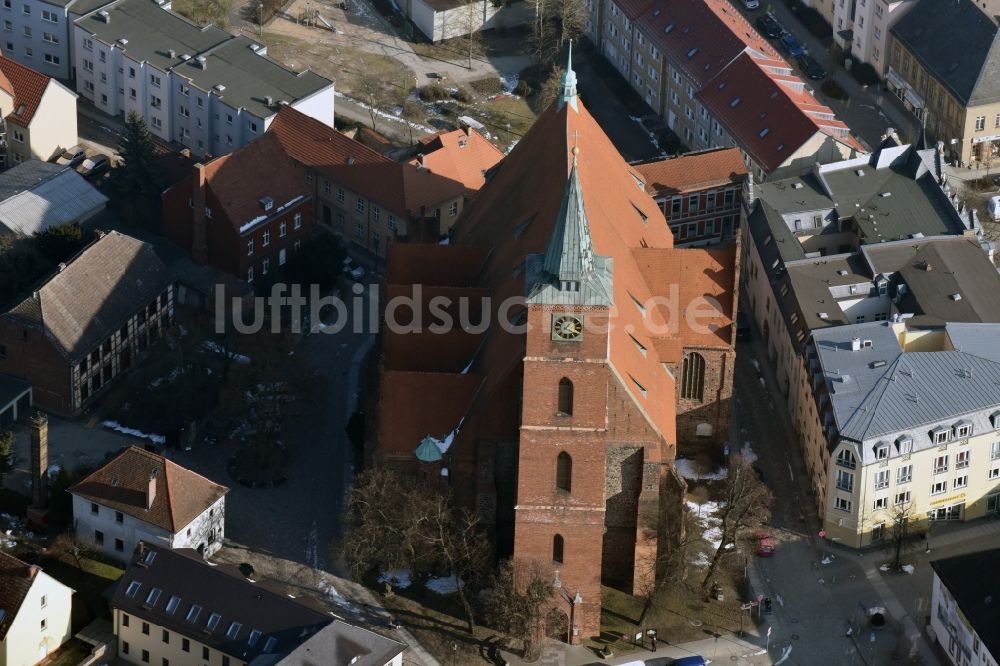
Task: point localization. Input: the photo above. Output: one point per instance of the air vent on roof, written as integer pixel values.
(736, 102)
(823, 315)
(202, 62)
(842, 272)
(218, 87)
(764, 132)
(859, 172)
(105, 16)
(669, 28)
(123, 41)
(878, 364)
(956, 296)
(885, 195)
(171, 53)
(269, 100)
(692, 53)
(796, 185)
(185, 57)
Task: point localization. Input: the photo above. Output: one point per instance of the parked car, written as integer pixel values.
(71, 156)
(751, 4)
(812, 68)
(766, 547)
(769, 26)
(94, 166)
(993, 208)
(696, 660)
(791, 45)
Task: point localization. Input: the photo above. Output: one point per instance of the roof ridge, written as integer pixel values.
(169, 496)
(992, 55)
(868, 415)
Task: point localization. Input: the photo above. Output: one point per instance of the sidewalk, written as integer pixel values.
(717, 649)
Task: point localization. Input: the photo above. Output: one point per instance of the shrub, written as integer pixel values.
(811, 19)
(412, 110)
(432, 93)
(491, 85)
(522, 88)
(462, 95)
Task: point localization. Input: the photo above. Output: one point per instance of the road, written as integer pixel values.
(867, 111)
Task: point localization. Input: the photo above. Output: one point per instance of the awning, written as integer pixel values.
(893, 77)
(913, 98)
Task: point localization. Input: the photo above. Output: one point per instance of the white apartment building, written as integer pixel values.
(36, 613)
(141, 496)
(861, 28)
(199, 86)
(912, 416)
(963, 614)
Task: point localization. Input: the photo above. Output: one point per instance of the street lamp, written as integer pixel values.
(260, 14)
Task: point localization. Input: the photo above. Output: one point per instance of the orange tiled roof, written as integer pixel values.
(259, 169)
(398, 187)
(693, 171)
(181, 495)
(461, 155)
(26, 85)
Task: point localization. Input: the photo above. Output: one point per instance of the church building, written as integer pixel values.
(555, 348)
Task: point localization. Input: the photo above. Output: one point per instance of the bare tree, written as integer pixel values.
(372, 89)
(671, 565)
(542, 39)
(901, 516)
(745, 507)
(572, 20)
(516, 600)
(472, 17)
(551, 88)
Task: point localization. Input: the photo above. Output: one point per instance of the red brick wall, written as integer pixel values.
(34, 359)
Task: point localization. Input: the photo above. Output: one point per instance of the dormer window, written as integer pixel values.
(940, 435)
(995, 420)
(904, 445)
(846, 459)
(881, 451)
(963, 429)
(267, 203)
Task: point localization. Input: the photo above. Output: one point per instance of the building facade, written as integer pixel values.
(37, 613)
(141, 496)
(54, 338)
(39, 114)
(246, 213)
(560, 429)
(717, 83)
(963, 622)
(862, 28)
(700, 194)
(946, 78)
(199, 86)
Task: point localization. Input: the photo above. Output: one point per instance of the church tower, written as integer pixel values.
(559, 519)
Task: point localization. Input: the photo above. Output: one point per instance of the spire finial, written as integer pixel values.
(568, 95)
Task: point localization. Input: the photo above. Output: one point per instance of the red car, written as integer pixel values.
(766, 546)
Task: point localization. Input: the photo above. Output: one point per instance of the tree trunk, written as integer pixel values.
(712, 568)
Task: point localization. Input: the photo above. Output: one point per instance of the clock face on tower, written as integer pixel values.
(566, 327)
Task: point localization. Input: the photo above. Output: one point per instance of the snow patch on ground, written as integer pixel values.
(689, 469)
(445, 585)
(214, 347)
(712, 524)
(748, 453)
(908, 568)
(509, 82)
(114, 425)
(398, 578)
(174, 374)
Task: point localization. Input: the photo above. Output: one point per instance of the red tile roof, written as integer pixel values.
(26, 85)
(398, 187)
(693, 171)
(259, 169)
(461, 155)
(181, 495)
(16, 578)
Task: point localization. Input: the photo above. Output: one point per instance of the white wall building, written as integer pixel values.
(34, 613)
(963, 614)
(861, 27)
(198, 86)
(141, 496)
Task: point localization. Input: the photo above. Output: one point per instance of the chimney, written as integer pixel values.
(33, 570)
(199, 231)
(150, 489)
(39, 460)
(202, 61)
(856, 344)
(105, 15)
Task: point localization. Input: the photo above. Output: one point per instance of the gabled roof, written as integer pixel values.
(181, 495)
(35, 196)
(16, 578)
(402, 188)
(96, 292)
(26, 85)
(965, 58)
(342, 643)
(235, 616)
(693, 171)
(259, 169)
(972, 581)
(462, 155)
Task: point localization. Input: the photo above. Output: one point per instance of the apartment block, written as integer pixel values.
(868, 240)
(962, 614)
(947, 78)
(199, 86)
(861, 28)
(700, 194)
(717, 83)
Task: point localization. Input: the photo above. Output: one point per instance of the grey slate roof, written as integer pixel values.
(95, 294)
(881, 392)
(216, 589)
(342, 643)
(972, 581)
(569, 257)
(35, 196)
(958, 43)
